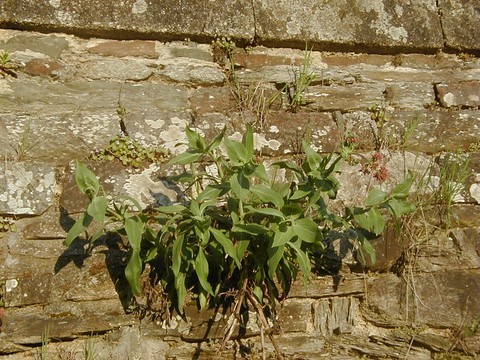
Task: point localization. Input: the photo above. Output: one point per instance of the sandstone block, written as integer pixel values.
(465, 94)
(50, 45)
(138, 48)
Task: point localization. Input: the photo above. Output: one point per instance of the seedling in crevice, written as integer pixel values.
(44, 350)
(454, 170)
(130, 152)
(5, 64)
(302, 78)
(25, 145)
(376, 167)
(6, 224)
(89, 350)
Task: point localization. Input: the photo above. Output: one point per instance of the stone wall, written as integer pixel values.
(77, 64)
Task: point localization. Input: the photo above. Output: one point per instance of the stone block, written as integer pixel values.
(195, 74)
(327, 286)
(212, 100)
(296, 316)
(26, 188)
(42, 67)
(115, 69)
(341, 25)
(460, 24)
(49, 45)
(344, 98)
(138, 48)
(135, 18)
(451, 293)
(410, 95)
(334, 316)
(465, 94)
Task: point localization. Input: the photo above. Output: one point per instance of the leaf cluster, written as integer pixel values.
(240, 230)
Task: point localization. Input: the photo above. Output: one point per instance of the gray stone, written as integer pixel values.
(131, 18)
(460, 23)
(126, 48)
(346, 26)
(26, 188)
(410, 95)
(345, 98)
(465, 94)
(320, 287)
(451, 293)
(194, 74)
(50, 45)
(116, 69)
(334, 316)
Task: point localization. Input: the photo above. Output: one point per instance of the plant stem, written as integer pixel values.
(264, 322)
(236, 313)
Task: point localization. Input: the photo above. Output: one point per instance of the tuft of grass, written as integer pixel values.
(44, 350)
(25, 145)
(302, 78)
(6, 64)
(89, 350)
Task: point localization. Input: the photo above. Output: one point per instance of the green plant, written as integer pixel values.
(89, 350)
(44, 350)
(130, 152)
(302, 78)
(242, 236)
(6, 224)
(25, 145)
(454, 170)
(5, 64)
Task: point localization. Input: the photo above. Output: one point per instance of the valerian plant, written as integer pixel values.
(240, 232)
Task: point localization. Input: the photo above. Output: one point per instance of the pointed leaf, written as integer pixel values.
(283, 235)
(247, 141)
(226, 244)
(265, 211)
(173, 209)
(86, 180)
(302, 258)
(202, 270)
(275, 254)
(186, 158)
(134, 229)
(240, 185)
(236, 151)
(371, 220)
(79, 227)
(97, 208)
(133, 271)
(268, 195)
(400, 207)
(375, 197)
(403, 189)
(252, 229)
(305, 229)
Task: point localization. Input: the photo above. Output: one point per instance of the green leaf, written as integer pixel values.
(173, 209)
(79, 227)
(283, 235)
(252, 229)
(313, 159)
(134, 229)
(240, 185)
(236, 152)
(181, 291)
(265, 211)
(226, 244)
(400, 207)
(289, 166)
(186, 158)
(305, 229)
(177, 254)
(97, 208)
(210, 193)
(86, 180)
(241, 248)
(275, 254)
(217, 140)
(367, 248)
(402, 190)
(268, 195)
(302, 258)
(371, 220)
(258, 293)
(133, 271)
(247, 141)
(375, 197)
(301, 192)
(261, 173)
(202, 270)
(195, 141)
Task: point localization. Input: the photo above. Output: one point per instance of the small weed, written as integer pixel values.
(453, 172)
(6, 64)
(349, 146)
(45, 351)
(130, 152)
(25, 145)
(6, 224)
(89, 350)
(474, 147)
(376, 167)
(302, 78)
(410, 127)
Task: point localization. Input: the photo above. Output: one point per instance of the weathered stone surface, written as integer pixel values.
(456, 129)
(346, 98)
(334, 316)
(320, 287)
(116, 69)
(410, 95)
(126, 48)
(366, 24)
(466, 94)
(50, 45)
(212, 100)
(199, 74)
(137, 18)
(42, 67)
(453, 295)
(464, 34)
(26, 188)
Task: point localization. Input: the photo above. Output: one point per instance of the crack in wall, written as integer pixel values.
(255, 35)
(440, 19)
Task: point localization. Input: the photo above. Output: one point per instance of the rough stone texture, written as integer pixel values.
(67, 101)
(371, 25)
(462, 34)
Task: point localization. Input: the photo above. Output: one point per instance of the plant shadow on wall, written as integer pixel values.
(241, 237)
